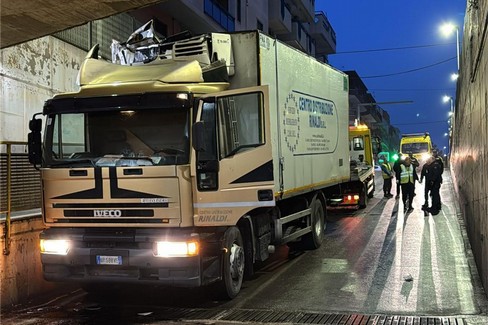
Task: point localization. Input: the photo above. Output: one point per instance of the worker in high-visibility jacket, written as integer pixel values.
(408, 176)
(387, 176)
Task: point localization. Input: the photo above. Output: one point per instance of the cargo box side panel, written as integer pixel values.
(245, 51)
(309, 118)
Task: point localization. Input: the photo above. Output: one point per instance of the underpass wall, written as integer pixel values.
(20, 269)
(30, 73)
(469, 148)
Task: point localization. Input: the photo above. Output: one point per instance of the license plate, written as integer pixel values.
(109, 260)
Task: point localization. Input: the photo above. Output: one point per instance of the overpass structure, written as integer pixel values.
(22, 21)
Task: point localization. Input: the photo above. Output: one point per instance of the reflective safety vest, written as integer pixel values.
(406, 176)
(388, 168)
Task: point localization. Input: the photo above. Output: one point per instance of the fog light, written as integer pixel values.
(175, 249)
(54, 246)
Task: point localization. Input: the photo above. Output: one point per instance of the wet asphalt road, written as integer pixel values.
(373, 261)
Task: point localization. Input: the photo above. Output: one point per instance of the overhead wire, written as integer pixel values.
(409, 71)
(399, 48)
(392, 48)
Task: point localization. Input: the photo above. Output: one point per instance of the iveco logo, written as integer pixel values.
(107, 213)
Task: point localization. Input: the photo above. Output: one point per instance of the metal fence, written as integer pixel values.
(20, 184)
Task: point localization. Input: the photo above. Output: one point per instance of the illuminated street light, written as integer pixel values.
(446, 30)
(446, 99)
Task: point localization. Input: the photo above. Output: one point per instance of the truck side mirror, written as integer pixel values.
(35, 124)
(34, 141)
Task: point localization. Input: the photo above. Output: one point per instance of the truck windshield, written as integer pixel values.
(145, 137)
(416, 147)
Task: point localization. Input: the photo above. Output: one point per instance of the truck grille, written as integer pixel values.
(123, 213)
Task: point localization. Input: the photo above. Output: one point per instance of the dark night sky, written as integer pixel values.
(389, 24)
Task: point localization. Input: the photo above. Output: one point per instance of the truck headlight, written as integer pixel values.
(175, 249)
(425, 156)
(55, 246)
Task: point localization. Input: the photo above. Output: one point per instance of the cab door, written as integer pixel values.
(232, 168)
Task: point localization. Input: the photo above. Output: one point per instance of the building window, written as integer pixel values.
(219, 14)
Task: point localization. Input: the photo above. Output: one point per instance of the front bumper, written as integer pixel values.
(134, 250)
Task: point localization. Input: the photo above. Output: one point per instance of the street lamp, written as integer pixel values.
(450, 121)
(446, 30)
(446, 99)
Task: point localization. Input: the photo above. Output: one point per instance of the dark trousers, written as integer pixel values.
(427, 191)
(433, 188)
(436, 197)
(387, 185)
(398, 188)
(407, 194)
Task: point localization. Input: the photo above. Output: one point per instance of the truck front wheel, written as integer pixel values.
(233, 264)
(313, 240)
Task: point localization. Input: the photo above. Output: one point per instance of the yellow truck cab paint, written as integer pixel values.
(417, 144)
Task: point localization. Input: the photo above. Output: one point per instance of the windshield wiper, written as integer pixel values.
(73, 162)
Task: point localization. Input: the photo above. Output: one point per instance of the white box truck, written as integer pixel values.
(187, 161)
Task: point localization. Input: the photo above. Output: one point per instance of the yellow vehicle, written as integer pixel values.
(417, 144)
(361, 185)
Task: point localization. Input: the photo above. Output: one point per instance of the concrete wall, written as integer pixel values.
(469, 154)
(30, 73)
(20, 271)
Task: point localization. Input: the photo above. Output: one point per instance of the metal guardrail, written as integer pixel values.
(21, 183)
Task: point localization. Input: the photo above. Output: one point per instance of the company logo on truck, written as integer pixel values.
(309, 124)
(291, 122)
(107, 213)
(316, 109)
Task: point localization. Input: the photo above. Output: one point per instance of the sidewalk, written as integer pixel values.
(433, 270)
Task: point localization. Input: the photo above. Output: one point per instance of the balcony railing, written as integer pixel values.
(324, 34)
(279, 17)
(302, 9)
(219, 15)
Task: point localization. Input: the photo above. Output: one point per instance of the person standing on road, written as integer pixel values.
(387, 176)
(427, 173)
(408, 176)
(439, 160)
(435, 170)
(415, 163)
(397, 169)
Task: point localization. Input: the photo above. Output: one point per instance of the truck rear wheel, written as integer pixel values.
(233, 264)
(313, 240)
(363, 197)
